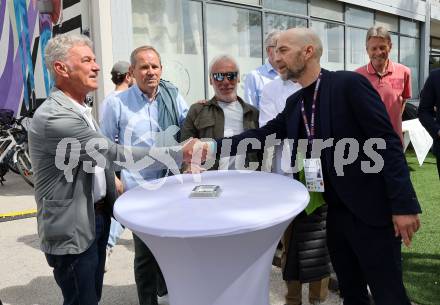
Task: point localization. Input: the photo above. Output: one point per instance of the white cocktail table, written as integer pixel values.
(214, 251)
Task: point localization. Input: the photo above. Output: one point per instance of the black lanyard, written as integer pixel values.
(310, 131)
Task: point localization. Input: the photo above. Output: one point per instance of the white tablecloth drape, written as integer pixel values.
(249, 201)
(214, 251)
(414, 132)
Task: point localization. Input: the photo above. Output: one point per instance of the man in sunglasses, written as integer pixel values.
(225, 115)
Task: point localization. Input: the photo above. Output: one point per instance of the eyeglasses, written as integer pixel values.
(221, 76)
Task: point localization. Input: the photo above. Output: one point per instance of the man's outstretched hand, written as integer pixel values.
(195, 151)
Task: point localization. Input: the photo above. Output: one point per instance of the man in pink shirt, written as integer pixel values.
(391, 80)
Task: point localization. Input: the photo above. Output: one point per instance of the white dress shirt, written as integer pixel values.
(273, 101)
(99, 183)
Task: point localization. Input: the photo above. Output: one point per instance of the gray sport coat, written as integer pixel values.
(63, 180)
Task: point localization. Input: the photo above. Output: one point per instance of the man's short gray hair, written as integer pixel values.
(378, 31)
(221, 58)
(58, 47)
(271, 38)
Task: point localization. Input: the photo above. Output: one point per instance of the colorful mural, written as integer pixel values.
(24, 33)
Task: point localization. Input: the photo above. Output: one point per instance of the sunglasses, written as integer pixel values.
(221, 76)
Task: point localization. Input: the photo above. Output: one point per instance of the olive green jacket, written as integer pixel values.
(207, 120)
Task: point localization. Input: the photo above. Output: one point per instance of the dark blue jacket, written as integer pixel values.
(430, 98)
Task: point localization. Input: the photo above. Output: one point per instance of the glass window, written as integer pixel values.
(394, 55)
(327, 10)
(356, 54)
(290, 6)
(409, 27)
(409, 56)
(332, 37)
(282, 22)
(236, 32)
(174, 28)
(250, 2)
(388, 21)
(359, 17)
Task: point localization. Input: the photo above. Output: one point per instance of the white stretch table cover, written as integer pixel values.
(214, 251)
(414, 132)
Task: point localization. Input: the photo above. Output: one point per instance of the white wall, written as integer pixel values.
(101, 35)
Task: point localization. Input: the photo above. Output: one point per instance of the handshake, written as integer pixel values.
(195, 152)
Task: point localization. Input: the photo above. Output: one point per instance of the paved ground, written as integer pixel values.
(26, 279)
(15, 194)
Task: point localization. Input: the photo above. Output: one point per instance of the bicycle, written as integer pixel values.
(14, 151)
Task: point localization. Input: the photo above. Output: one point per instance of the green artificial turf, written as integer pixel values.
(421, 262)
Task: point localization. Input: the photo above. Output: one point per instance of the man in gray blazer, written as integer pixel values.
(74, 171)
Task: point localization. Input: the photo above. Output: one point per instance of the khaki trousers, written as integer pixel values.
(318, 292)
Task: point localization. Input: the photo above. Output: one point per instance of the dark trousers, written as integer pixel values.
(149, 279)
(364, 255)
(80, 276)
(438, 166)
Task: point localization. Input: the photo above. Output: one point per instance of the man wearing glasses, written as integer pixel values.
(258, 78)
(225, 115)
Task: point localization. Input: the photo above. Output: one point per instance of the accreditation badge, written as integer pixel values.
(313, 175)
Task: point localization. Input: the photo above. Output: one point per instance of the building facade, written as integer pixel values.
(189, 33)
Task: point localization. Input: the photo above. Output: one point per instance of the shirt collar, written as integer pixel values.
(389, 70)
(81, 108)
(139, 92)
(269, 67)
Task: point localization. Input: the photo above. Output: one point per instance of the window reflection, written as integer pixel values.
(332, 37)
(325, 9)
(355, 48)
(409, 56)
(174, 28)
(290, 6)
(236, 32)
(388, 21)
(282, 22)
(394, 54)
(409, 27)
(359, 17)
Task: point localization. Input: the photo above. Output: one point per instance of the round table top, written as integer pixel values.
(250, 200)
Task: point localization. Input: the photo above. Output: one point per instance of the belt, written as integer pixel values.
(100, 207)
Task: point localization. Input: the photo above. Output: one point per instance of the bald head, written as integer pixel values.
(298, 53)
(302, 37)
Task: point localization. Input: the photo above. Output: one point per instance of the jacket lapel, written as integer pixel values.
(324, 104)
(294, 118)
(65, 102)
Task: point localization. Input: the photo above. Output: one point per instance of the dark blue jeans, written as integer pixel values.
(80, 276)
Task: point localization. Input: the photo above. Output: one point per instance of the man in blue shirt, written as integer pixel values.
(256, 79)
(148, 114)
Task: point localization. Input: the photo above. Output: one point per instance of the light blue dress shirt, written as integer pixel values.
(133, 118)
(255, 81)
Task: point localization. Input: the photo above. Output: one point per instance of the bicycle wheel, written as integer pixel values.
(24, 166)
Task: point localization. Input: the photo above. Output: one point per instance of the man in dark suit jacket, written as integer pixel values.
(372, 205)
(429, 111)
